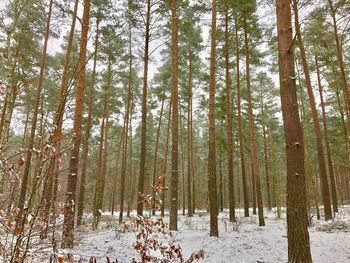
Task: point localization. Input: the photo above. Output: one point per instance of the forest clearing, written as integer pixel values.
(174, 131)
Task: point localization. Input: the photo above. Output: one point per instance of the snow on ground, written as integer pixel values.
(250, 243)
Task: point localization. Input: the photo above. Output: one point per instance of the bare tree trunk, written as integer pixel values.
(25, 180)
(144, 112)
(85, 153)
(69, 208)
(165, 161)
(102, 167)
(131, 187)
(9, 104)
(240, 127)
(317, 129)
(49, 196)
(182, 151)
(115, 178)
(297, 221)
(252, 133)
(339, 49)
(189, 139)
(229, 136)
(125, 144)
(328, 148)
(267, 172)
(155, 162)
(212, 186)
(174, 119)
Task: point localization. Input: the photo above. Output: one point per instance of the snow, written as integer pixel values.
(250, 243)
(243, 241)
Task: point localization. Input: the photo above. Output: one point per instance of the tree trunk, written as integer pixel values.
(49, 196)
(85, 153)
(25, 180)
(240, 127)
(131, 183)
(144, 112)
(155, 162)
(297, 221)
(165, 161)
(102, 167)
(317, 129)
(229, 136)
(115, 178)
(9, 104)
(189, 139)
(266, 157)
(212, 187)
(69, 208)
(175, 119)
(125, 145)
(252, 133)
(325, 134)
(340, 56)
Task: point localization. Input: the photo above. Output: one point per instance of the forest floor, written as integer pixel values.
(241, 242)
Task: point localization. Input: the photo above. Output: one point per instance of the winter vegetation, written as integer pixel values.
(174, 131)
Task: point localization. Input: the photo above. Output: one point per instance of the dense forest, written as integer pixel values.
(146, 114)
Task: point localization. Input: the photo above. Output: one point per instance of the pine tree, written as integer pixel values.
(298, 236)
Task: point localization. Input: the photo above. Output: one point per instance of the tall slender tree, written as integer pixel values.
(297, 223)
(141, 182)
(252, 132)
(229, 136)
(27, 167)
(69, 208)
(240, 124)
(212, 188)
(319, 144)
(174, 119)
(85, 152)
(49, 194)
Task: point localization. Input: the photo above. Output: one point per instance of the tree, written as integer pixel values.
(229, 120)
(212, 153)
(144, 111)
(49, 192)
(174, 119)
(252, 133)
(317, 129)
(25, 180)
(240, 125)
(69, 209)
(297, 223)
(85, 153)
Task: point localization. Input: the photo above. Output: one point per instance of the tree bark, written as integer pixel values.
(317, 130)
(174, 119)
(328, 147)
(341, 63)
(212, 186)
(69, 208)
(25, 180)
(125, 144)
(297, 221)
(229, 137)
(102, 166)
(189, 139)
(144, 112)
(165, 161)
(240, 127)
(252, 133)
(155, 161)
(48, 195)
(85, 153)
